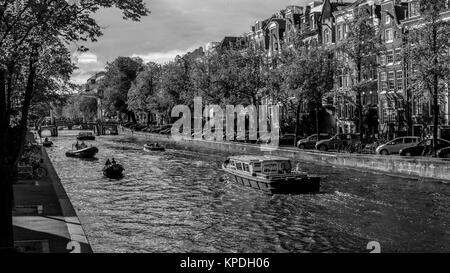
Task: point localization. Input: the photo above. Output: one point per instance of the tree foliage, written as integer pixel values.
(34, 36)
(428, 53)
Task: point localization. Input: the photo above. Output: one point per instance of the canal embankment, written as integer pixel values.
(416, 167)
(43, 217)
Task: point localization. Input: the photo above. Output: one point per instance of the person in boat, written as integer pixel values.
(108, 163)
(77, 146)
(113, 161)
(46, 139)
(83, 145)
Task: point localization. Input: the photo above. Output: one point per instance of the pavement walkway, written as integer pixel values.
(43, 216)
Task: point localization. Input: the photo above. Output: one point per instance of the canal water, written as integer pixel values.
(180, 201)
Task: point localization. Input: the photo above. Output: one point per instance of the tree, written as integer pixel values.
(428, 55)
(175, 87)
(311, 75)
(33, 49)
(143, 90)
(360, 47)
(119, 77)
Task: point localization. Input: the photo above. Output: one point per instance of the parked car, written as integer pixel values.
(264, 139)
(394, 146)
(284, 140)
(338, 142)
(310, 142)
(444, 153)
(419, 149)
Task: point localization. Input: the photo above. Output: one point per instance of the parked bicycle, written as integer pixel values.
(33, 170)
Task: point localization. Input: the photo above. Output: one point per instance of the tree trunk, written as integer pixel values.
(360, 116)
(133, 117)
(149, 114)
(297, 123)
(359, 101)
(318, 106)
(435, 116)
(6, 206)
(3, 117)
(409, 113)
(435, 94)
(6, 227)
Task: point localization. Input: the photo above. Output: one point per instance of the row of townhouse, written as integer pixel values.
(325, 23)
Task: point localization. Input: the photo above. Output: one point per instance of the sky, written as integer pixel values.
(173, 28)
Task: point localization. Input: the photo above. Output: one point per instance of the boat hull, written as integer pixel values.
(86, 138)
(47, 144)
(153, 149)
(307, 184)
(84, 153)
(114, 172)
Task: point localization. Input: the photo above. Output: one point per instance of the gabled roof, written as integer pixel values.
(281, 22)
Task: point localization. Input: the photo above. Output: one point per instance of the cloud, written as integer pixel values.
(86, 58)
(161, 57)
(173, 27)
(88, 64)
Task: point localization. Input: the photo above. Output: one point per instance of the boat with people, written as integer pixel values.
(86, 136)
(154, 147)
(82, 151)
(112, 170)
(272, 175)
(47, 143)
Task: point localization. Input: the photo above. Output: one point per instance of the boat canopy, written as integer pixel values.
(260, 164)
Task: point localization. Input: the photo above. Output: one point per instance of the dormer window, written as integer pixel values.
(388, 19)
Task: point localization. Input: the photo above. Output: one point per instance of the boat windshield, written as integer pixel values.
(286, 166)
(270, 167)
(239, 166)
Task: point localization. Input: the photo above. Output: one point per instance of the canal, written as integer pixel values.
(180, 201)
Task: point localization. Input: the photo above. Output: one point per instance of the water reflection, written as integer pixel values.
(180, 201)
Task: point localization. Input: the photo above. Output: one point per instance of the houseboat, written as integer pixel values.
(273, 175)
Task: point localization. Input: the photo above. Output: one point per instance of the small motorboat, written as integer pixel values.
(114, 171)
(89, 152)
(86, 136)
(270, 174)
(47, 144)
(154, 147)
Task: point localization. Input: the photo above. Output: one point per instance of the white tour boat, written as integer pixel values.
(273, 175)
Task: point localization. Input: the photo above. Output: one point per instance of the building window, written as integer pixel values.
(383, 79)
(383, 59)
(390, 57)
(313, 22)
(391, 80)
(327, 36)
(414, 9)
(389, 35)
(339, 29)
(388, 19)
(398, 55)
(400, 80)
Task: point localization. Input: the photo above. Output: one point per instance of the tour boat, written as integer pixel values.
(114, 171)
(83, 153)
(273, 175)
(86, 136)
(152, 147)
